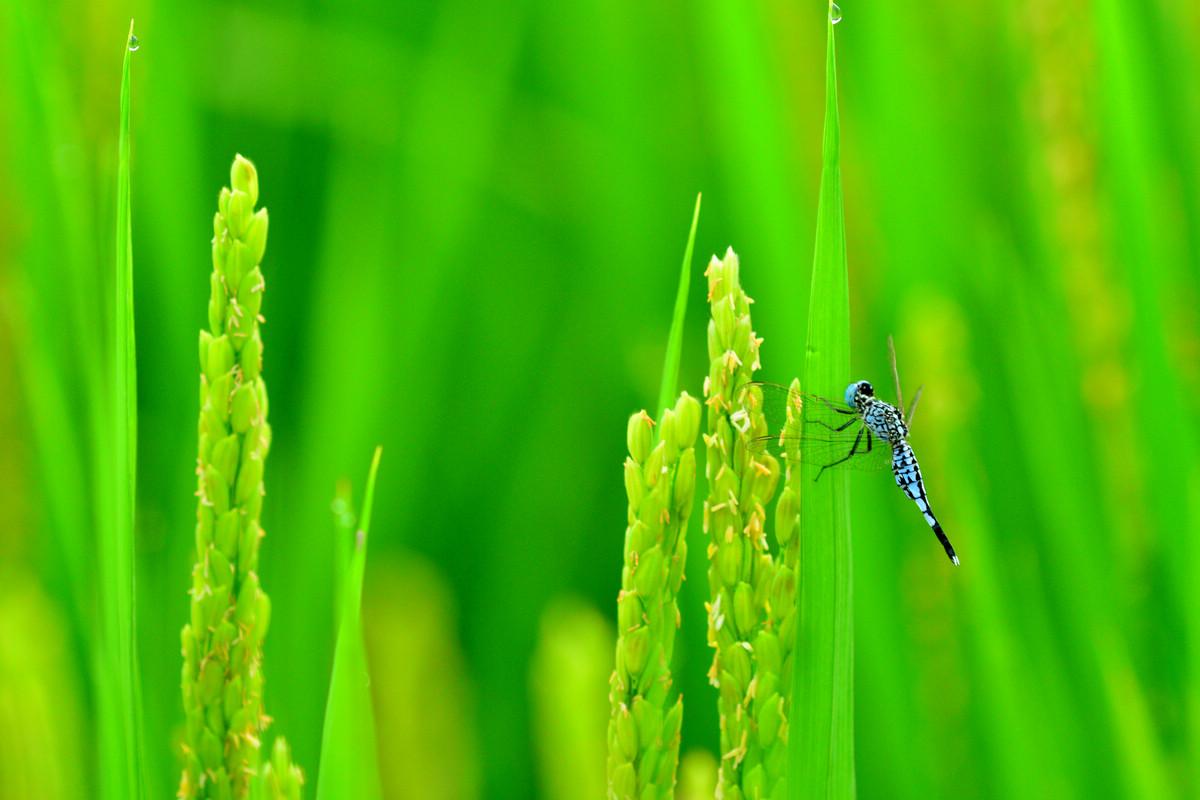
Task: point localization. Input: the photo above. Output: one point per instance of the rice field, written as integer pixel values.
(477, 212)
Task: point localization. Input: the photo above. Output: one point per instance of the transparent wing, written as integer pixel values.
(812, 428)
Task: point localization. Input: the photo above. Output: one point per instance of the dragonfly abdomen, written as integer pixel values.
(908, 478)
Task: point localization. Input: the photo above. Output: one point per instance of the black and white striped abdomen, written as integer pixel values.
(908, 472)
(908, 478)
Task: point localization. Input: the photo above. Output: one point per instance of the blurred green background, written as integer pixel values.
(477, 211)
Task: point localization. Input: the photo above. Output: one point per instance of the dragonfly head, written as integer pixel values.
(857, 390)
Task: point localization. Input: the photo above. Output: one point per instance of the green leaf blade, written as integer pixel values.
(821, 739)
(670, 375)
(121, 740)
(349, 761)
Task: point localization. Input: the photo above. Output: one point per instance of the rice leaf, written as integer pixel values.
(660, 483)
(1135, 148)
(349, 766)
(344, 526)
(121, 750)
(61, 251)
(821, 738)
(670, 375)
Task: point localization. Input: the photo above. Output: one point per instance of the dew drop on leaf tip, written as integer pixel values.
(835, 13)
(133, 43)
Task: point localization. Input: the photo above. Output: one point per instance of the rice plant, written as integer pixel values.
(752, 592)
(280, 778)
(120, 684)
(348, 747)
(821, 762)
(230, 613)
(660, 482)
(472, 250)
(660, 478)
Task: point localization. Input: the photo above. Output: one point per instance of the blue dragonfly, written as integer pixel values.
(863, 432)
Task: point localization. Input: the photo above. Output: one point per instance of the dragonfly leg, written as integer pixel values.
(848, 456)
(832, 407)
(840, 428)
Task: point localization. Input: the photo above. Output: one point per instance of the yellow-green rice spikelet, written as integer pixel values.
(222, 643)
(280, 779)
(660, 483)
(747, 661)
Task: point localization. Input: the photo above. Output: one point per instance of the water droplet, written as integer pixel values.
(133, 43)
(835, 13)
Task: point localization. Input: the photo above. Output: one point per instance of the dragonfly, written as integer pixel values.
(862, 432)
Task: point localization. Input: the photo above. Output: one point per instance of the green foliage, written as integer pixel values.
(222, 642)
(470, 200)
(414, 652)
(571, 662)
(39, 697)
(670, 376)
(660, 485)
(821, 761)
(348, 751)
(120, 684)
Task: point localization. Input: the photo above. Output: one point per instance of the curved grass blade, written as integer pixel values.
(120, 731)
(670, 377)
(821, 738)
(349, 766)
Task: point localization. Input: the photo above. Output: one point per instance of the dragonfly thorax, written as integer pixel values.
(884, 420)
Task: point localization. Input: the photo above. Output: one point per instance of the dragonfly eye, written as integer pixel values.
(856, 388)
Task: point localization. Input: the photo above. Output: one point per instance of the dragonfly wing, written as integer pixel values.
(814, 429)
(855, 448)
